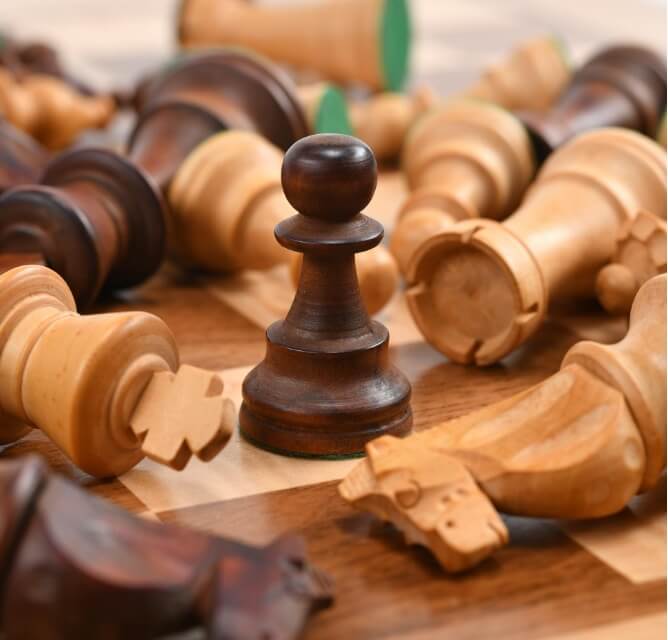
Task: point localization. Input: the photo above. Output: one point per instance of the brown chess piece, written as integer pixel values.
(49, 109)
(479, 289)
(22, 159)
(531, 76)
(23, 58)
(348, 41)
(94, 218)
(107, 388)
(580, 444)
(114, 230)
(204, 94)
(640, 254)
(130, 578)
(622, 86)
(465, 159)
(225, 201)
(377, 276)
(326, 386)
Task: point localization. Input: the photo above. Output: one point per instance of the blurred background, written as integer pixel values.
(111, 44)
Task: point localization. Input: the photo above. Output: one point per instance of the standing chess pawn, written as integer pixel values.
(640, 254)
(348, 41)
(622, 86)
(326, 386)
(580, 444)
(480, 288)
(225, 201)
(107, 388)
(466, 159)
(50, 110)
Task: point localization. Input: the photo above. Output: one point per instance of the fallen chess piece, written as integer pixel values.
(113, 221)
(203, 94)
(23, 159)
(94, 218)
(531, 76)
(661, 131)
(384, 119)
(578, 445)
(78, 567)
(621, 86)
(481, 288)
(347, 41)
(49, 109)
(466, 159)
(225, 201)
(325, 107)
(639, 256)
(326, 385)
(107, 388)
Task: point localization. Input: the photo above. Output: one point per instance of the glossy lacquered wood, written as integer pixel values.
(621, 86)
(135, 579)
(94, 218)
(203, 94)
(326, 386)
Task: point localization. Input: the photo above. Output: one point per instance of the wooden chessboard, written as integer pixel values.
(603, 579)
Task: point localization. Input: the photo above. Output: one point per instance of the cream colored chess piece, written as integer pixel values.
(107, 388)
(49, 109)
(347, 41)
(531, 77)
(383, 120)
(578, 445)
(225, 201)
(640, 255)
(481, 288)
(466, 159)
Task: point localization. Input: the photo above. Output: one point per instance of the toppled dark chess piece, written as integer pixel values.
(21, 158)
(77, 567)
(94, 218)
(622, 86)
(204, 94)
(326, 386)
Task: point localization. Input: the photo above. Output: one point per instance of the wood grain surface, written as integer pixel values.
(603, 579)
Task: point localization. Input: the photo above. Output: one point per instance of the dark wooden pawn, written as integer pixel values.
(94, 218)
(326, 386)
(622, 86)
(206, 93)
(76, 567)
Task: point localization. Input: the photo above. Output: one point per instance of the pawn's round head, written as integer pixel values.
(330, 177)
